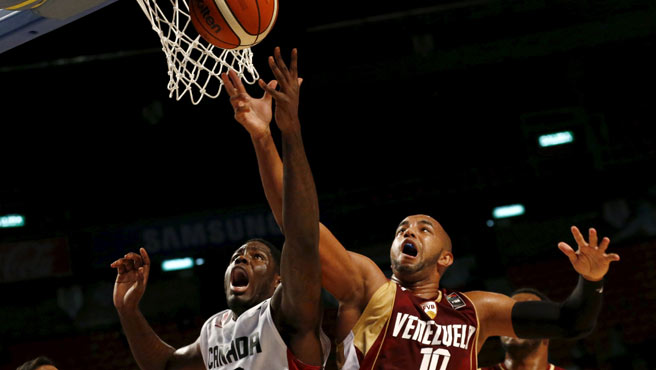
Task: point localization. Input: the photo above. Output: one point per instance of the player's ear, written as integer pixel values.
(445, 260)
(277, 279)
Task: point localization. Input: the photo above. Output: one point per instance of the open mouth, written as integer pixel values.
(409, 249)
(238, 280)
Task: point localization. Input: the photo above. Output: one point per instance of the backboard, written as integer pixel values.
(20, 26)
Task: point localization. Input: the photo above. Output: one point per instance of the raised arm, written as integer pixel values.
(298, 303)
(149, 351)
(350, 277)
(573, 318)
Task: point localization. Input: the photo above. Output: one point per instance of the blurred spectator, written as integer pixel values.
(525, 353)
(39, 363)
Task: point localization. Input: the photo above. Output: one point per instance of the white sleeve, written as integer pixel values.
(204, 339)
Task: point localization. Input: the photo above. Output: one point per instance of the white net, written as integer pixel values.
(194, 65)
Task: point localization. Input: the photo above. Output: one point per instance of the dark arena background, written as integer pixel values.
(407, 107)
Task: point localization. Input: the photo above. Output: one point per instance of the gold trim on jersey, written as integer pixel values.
(373, 320)
(374, 317)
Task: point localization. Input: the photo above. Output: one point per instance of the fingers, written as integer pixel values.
(236, 82)
(284, 75)
(239, 102)
(592, 237)
(132, 262)
(135, 259)
(613, 257)
(568, 251)
(293, 66)
(282, 79)
(123, 265)
(240, 105)
(578, 237)
(230, 88)
(270, 88)
(604, 244)
(141, 275)
(280, 62)
(232, 83)
(145, 257)
(119, 266)
(272, 85)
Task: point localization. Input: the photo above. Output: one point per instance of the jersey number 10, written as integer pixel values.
(433, 357)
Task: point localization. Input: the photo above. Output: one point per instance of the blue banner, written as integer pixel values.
(187, 234)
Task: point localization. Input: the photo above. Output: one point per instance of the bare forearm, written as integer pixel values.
(339, 273)
(148, 350)
(300, 204)
(300, 267)
(270, 166)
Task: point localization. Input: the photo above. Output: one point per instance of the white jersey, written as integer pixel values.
(250, 342)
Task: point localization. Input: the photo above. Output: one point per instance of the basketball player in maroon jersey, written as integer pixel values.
(408, 322)
(525, 354)
(274, 315)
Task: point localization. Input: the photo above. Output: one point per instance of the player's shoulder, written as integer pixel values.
(455, 298)
(371, 277)
(490, 305)
(485, 298)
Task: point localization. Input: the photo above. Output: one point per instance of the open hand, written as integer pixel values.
(288, 96)
(590, 260)
(253, 114)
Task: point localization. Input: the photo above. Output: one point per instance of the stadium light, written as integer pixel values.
(181, 263)
(177, 264)
(556, 138)
(14, 220)
(511, 210)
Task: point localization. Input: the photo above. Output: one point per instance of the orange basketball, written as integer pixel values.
(233, 24)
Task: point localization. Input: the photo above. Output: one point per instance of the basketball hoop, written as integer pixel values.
(194, 65)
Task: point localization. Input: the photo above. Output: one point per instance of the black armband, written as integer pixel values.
(573, 318)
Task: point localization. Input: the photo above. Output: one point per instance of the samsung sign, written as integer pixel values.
(193, 233)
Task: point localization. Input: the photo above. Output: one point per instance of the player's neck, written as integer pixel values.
(239, 308)
(424, 288)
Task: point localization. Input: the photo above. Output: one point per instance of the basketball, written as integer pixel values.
(233, 24)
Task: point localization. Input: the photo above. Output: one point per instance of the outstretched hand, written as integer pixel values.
(253, 114)
(590, 260)
(131, 280)
(288, 95)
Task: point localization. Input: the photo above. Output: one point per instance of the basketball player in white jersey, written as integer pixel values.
(275, 313)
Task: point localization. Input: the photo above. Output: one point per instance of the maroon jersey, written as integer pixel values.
(398, 330)
(502, 367)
